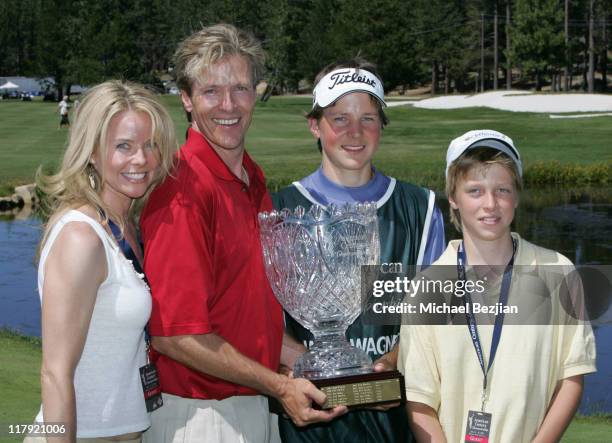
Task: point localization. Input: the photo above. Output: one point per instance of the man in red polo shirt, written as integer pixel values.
(216, 328)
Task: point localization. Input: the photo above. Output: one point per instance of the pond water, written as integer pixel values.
(19, 302)
(577, 223)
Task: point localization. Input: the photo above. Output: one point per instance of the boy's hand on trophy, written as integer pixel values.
(388, 362)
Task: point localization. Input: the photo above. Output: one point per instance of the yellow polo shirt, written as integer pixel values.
(441, 368)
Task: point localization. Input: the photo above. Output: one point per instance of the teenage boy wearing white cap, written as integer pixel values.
(346, 119)
(494, 382)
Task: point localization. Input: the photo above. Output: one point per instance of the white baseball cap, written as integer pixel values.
(344, 81)
(483, 138)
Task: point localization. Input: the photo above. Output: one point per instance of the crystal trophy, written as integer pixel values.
(313, 262)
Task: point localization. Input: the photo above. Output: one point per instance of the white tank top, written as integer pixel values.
(109, 396)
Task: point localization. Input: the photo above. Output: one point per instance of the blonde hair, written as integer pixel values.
(211, 44)
(71, 187)
(482, 157)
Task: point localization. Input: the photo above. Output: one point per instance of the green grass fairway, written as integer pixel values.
(20, 388)
(413, 145)
(19, 381)
(589, 430)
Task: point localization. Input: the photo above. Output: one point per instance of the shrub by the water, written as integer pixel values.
(554, 172)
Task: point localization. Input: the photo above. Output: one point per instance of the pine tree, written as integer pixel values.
(538, 45)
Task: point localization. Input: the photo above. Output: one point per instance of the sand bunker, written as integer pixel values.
(394, 103)
(522, 101)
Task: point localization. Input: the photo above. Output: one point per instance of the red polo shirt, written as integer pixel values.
(204, 265)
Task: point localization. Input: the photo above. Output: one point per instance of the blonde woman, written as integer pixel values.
(95, 304)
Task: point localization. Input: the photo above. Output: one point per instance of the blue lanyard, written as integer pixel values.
(499, 318)
(125, 246)
(128, 252)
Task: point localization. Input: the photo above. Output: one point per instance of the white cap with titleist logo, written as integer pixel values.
(344, 81)
(486, 138)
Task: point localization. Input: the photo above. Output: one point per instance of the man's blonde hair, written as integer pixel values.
(71, 186)
(211, 44)
(481, 157)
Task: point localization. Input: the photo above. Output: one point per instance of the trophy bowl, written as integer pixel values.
(313, 262)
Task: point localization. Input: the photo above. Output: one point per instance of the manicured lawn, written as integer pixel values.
(20, 388)
(19, 381)
(413, 146)
(589, 430)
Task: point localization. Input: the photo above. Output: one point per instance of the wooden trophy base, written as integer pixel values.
(363, 390)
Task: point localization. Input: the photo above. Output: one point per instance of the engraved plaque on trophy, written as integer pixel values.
(313, 261)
